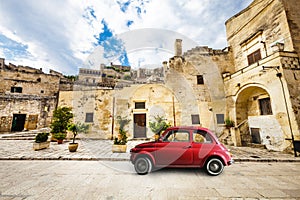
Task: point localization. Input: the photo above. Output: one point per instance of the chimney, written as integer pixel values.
(178, 47)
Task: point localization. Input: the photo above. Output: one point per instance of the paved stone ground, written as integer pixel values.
(113, 180)
(21, 148)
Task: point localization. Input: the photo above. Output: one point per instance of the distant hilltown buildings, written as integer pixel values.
(247, 93)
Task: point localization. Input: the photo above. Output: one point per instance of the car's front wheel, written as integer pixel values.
(214, 166)
(143, 165)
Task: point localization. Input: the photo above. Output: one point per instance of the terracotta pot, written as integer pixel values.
(73, 147)
(59, 141)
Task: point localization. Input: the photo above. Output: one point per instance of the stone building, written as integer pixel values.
(192, 94)
(28, 97)
(254, 82)
(262, 85)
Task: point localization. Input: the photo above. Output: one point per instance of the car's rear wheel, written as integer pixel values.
(214, 166)
(143, 165)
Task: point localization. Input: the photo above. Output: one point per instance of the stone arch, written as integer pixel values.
(246, 102)
(256, 119)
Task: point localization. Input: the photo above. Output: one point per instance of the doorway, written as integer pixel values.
(255, 135)
(139, 121)
(18, 122)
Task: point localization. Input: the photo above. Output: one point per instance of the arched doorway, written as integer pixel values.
(253, 104)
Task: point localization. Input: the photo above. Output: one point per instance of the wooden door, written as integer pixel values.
(18, 122)
(139, 125)
(32, 122)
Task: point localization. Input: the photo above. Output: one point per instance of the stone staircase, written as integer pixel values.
(225, 137)
(23, 135)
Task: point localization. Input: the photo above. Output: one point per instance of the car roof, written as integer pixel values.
(189, 127)
(195, 128)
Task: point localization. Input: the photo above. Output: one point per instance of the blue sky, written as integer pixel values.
(63, 34)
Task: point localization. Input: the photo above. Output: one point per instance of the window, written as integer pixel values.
(195, 119)
(220, 118)
(140, 105)
(16, 89)
(265, 106)
(177, 136)
(200, 80)
(89, 117)
(254, 57)
(200, 136)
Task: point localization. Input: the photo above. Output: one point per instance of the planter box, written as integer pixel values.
(119, 148)
(42, 145)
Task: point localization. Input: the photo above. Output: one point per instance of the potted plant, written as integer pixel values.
(121, 141)
(75, 129)
(61, 119)
(41, 141)
(229, 123)
(59, 137)
(158, 126)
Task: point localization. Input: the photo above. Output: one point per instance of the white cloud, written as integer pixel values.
(57, 35)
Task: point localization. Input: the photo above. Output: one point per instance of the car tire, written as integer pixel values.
(214, 166)
(142, 165)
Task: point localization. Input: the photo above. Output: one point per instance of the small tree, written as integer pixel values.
(61, 118)
(122, 139)
(77, 128)
(159, 125)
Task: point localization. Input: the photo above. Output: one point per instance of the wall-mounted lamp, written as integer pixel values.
(279, 74)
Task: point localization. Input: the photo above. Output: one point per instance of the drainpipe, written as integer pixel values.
(174, 115)
(279, 75)
(113, 119)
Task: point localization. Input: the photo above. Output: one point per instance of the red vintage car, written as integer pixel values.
(184, 146)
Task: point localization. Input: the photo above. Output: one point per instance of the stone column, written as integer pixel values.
(178, 47)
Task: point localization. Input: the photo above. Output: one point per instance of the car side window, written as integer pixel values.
(177, 136)
(200, 136)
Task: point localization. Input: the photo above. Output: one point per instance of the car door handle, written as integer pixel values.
(187, 147)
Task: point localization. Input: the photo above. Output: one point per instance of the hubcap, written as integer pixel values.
(142, 165)
(214, 167)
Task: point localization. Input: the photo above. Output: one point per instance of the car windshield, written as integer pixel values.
(177, 136)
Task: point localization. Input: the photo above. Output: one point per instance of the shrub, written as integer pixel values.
(41, 137)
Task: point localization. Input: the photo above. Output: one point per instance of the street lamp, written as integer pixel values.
(279, 75)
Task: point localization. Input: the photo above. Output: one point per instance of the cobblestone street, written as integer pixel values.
(114, 180)
(91, 149)
(94, 172)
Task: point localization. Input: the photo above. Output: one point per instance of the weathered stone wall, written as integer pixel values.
(36, 96)
(293, 19)
(31, 83)
(260, 25)
(291, 74)
(211, 95)
(98, 102)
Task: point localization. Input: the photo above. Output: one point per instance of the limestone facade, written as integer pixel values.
(254, 82)
(262, 89)
(28, 97)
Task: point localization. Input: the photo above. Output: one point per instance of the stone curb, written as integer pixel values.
(265, 160)
(127, 159)
(66, 159)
